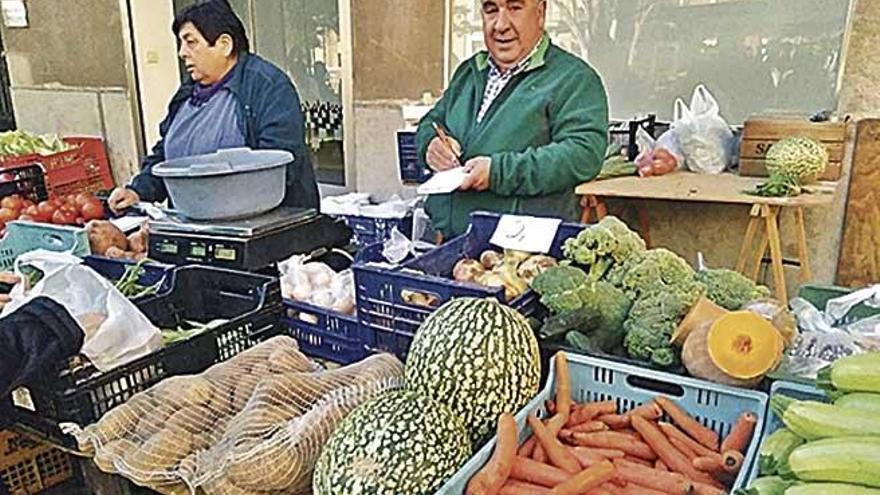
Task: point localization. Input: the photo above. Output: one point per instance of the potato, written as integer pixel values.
(185, 390)
(161, 452)
(467, 270)
(192, 419)
(110, 452)
(273, 466)
(117, 423)
(226, 487)
(137, 242)
(103, 235)
(287, 360)
(490, 259)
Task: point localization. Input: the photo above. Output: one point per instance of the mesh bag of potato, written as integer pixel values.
(254, 424)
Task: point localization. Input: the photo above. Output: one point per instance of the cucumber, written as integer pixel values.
(812, 420)
(858, 373)
(845, 460)
(768, 485)
(831, 489)
(860, 400)
(775, 450)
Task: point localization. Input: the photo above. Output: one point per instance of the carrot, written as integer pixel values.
(555, 425)
(632, 433)
(741, 434)
(672, 431)
(634, 489)
(539, 454)
(585, 480)
(675, 460)
(683, 448)
(590, 410)
(732, 461)
(490, 479)
(659, 466)
(589, 457)
(615, 421)
(527, 447)
(606, 453)
(707, 489)
(599, 490)
(615, 441)
(648, 410)
(525, 469)
(563, 387)
(554, 449)
(711, 465)
(686, 422)
(514, 487)
(612, 488)
(639, 461)
(550, 406)
(589, 427)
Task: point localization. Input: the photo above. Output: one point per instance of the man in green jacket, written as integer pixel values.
(527, 120)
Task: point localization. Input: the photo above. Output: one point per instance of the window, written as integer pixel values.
(754, 55)
(303, 38)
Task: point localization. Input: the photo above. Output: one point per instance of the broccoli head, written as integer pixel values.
(655, 271)
(611, 308)
(729, 289)
(650, 325)
(560, 288)
(601, 246)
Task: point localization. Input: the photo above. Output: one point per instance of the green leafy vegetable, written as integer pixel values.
(601, 246)
(22, 143)
(729, 289)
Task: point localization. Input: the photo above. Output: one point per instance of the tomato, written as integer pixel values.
(46, 210)
(26, 203)
(12, 202)
(93, 210)
(27, 218)
(62, 217)
(82, 198)
(57, 202)
(8, 215)
(80, 221)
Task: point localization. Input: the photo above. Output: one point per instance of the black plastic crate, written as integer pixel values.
(251, 303)
(28, 181)
(113, 270)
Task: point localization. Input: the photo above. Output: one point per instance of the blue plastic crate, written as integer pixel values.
(111, 269)
(368, 230)
(716, 406)
(408, 159)
(772, 423)
(23, 237)
(324, 333)
(388, 299)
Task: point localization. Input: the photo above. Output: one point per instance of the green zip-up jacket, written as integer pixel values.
(545, 133)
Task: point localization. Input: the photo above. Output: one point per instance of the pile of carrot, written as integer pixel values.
(594, 449)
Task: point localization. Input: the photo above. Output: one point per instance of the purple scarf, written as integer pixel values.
(202, 94)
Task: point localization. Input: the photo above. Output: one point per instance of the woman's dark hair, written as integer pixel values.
(214, 18)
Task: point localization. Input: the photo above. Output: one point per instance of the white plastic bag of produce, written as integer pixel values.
(658, 157)
(124, 335)
(250, 425)
(706, 139)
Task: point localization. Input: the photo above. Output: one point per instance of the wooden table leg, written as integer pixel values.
(601, 208)
(772, 220)
(644, 224)
(803, 254)
(751, 230)
(586, 208)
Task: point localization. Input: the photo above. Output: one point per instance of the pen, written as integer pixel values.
(441, 133)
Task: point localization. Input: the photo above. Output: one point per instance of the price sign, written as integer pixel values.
(522, 233)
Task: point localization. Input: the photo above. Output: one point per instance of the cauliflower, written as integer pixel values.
(599, 247)
(729, 289)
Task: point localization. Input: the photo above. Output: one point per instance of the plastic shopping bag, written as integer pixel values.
(123, 334)
(706, 140)
(658, 157)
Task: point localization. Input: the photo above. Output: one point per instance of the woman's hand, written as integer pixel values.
(122, 198)
(7, 278)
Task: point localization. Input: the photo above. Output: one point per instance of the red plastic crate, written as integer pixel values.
(85, 168)
(27, 466)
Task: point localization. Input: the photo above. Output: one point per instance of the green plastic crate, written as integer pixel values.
(23, 237)
(818, 295)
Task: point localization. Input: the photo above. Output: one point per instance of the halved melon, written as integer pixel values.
(704, 310)
(744, 345)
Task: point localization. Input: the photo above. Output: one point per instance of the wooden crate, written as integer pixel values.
(760, 133)
(27, 466)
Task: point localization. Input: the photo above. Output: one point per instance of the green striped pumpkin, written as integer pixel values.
(480, 358)
(399, 443)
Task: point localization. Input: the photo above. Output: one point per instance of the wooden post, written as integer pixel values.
(771, 216)
(751, 230)
(803, 253)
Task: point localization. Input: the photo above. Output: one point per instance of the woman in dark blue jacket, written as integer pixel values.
(234, 99)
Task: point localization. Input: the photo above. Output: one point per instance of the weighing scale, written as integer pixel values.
(249, 244)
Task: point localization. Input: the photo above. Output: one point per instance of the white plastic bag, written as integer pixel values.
(125, 333)
(658, 157)
(316, 283)
(706, 139)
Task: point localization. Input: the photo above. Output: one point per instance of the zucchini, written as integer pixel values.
(860, 400)
(830, 489)
(767, 485)
(845, 460)
(858, 373)
(775, 450)
(812, 420)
